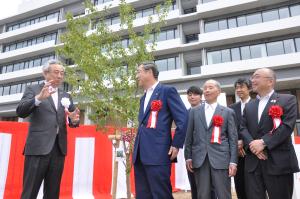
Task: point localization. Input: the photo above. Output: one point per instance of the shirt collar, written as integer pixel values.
(152, 87)
(265, 97)
(213, 105)
(246, 101)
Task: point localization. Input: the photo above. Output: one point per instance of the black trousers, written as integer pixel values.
(193, 184)
(43, 167)
(259, 182)
(239, 179)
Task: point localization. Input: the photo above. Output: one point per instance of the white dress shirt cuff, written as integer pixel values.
(232, 163)
(37, 102)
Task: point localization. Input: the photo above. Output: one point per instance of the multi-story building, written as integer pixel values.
(203, 39)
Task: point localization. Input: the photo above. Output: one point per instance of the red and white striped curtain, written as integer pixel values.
(88, 167)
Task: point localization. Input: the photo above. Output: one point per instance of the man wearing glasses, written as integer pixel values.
(266, 128)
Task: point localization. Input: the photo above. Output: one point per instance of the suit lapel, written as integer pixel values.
(60, 95)
(239, 110)
(154, 96)
(202, 115)
(141, 113)
(50, 99)
(218, 111)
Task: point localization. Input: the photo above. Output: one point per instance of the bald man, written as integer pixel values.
(211, 144)
(271, 160)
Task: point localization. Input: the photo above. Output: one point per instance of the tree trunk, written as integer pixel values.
(128, 185)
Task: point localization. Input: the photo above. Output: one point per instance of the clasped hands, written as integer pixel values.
(257, 147)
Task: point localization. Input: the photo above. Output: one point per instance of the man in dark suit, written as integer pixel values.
(46, 145)
(194, 96)
(242, 88)
(266, 129)
(154, 148)
(211, 144)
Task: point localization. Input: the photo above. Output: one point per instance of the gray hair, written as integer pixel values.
(46, 66)
(215, 82)
(150, 65)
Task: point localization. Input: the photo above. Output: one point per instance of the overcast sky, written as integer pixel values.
(8, 7)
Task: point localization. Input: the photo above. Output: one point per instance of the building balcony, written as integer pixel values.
(30, 51)
(139, 23)
(20, 75)
(28, 31)
(9, 99)
(284, 61)
(258, 31)
(222, 7)
(170, 75)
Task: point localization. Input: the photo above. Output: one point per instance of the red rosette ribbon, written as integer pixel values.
(275, 111)
(216, 133)
(156, 106)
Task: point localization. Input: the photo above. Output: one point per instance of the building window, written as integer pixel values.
(295, 10)
(245, 52)
(211, 26)
(192, 69)
(284, 13)
(270, 15)
(252, 18)
(275, 48)
(191, 38)
(28, 63)
(214, 57)
(171, 63)
(254, 51)
(32, 21)
(29, 42)
(235, 54)
(289, 46)
(297, 41)
(258, 51)
(98, 2)
(207, 1)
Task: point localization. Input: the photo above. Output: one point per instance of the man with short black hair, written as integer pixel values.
(242, 87)
(154, 148)
(194, 96)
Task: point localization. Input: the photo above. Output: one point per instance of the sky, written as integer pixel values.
(8, 7)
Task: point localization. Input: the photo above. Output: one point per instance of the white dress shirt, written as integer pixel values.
(209, 111)
(262, 103)
(243, 104)
(149, 93)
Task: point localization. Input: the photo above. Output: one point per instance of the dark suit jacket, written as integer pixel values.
(44, 121)
(238, 115)
(198, 139)
(153, 144)
(279, 148)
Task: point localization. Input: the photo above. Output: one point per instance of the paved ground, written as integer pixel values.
(187, 195)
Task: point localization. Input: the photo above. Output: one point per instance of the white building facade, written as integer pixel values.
(203, 39)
